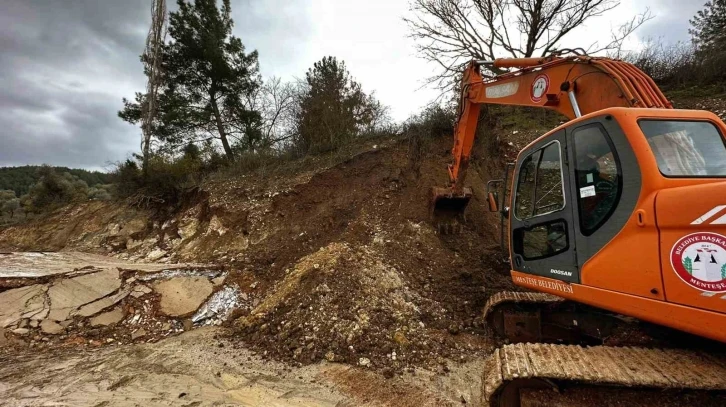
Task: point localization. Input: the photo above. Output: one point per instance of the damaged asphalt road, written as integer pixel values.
(79, 299)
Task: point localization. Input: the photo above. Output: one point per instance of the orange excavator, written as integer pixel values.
(618, 214)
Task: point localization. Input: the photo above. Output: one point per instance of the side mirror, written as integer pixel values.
(493, 201)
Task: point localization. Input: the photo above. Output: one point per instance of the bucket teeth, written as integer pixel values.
(450, 228)
(448, 209)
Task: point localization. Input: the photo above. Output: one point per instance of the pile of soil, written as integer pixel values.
(356, 272)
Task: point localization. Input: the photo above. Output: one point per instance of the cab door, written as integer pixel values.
(541, 218)
(616, 236)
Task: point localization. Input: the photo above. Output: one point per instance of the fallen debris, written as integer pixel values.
(218, 308)
(98, 306)
(68, 294)
(23, 302)
(51, 327)
(183, 295)
(140, 290)
(138, 334)
(108, 318)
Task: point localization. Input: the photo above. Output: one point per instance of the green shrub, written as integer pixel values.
(164, 182)
(53, 190)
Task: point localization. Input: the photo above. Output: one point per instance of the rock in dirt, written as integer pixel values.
(156, 254)
(215, 225)
(69, 294)
(108, 318)
(23, 302)
(138, 334)
(140, 290)
(132, 227)
(188, 324)
(188, 228)
(21, 331)
(51, 327)
(183, 295)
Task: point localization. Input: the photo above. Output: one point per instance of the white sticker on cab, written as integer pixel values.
(587, 191)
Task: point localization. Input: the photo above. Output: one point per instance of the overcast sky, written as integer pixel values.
(66, 64)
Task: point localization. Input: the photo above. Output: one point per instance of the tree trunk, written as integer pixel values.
(220, 128)
(145, 152)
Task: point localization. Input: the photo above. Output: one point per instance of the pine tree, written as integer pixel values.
(709, 25)
(723, 271)
(333, 107)
(206, 77)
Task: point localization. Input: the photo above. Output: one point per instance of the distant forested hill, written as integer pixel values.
(19, 179)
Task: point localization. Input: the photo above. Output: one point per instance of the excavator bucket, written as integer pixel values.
(448, 207)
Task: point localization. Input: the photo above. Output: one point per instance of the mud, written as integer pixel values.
(209, 371)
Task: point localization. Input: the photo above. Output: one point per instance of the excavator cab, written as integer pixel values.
(623, 210)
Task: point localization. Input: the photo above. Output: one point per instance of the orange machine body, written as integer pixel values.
(660, 252)
(634, 273)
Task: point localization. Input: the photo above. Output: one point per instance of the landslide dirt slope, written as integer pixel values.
(344, 258)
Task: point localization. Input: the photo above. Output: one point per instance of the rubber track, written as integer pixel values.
(605, 365)
(518, 297)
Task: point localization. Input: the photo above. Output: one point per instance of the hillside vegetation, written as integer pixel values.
(21, 179)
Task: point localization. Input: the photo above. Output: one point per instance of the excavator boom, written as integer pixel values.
(573, 86)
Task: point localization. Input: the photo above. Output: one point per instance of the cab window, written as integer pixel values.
(540, 190)
(541, 241)
(686, 148)
(597, 176)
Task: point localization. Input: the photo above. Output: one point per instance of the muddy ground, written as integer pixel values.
(84, 361)
(198, 368)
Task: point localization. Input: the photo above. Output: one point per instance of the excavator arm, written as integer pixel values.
(573, 86)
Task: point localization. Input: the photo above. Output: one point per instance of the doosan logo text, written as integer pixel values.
(561, 272)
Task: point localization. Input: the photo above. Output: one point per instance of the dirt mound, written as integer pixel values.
(350, 305)
(356, 272)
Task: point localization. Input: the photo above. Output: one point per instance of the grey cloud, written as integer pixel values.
(65, 65)
(60, 64)
(671, 22)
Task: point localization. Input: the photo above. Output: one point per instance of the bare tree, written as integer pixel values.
(275, 100)
(452, 32)
(278, 102)
(152, 64)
